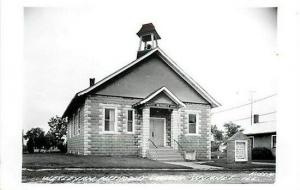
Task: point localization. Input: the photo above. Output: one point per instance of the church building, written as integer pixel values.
(148, 108)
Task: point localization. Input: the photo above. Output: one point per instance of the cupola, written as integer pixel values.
(148, 39)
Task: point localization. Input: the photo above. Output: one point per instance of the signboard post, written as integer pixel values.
(241, 152)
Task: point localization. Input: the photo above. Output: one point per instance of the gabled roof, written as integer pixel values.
(171, 63)
(237, 136)
(168, 61)
(157, 92)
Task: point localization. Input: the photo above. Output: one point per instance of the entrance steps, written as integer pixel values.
(164, 154)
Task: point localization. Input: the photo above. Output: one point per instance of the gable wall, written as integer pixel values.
(162, 98)
(148, 76)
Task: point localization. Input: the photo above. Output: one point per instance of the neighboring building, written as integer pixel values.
(262, 135)
(262, 128)
(149, 104)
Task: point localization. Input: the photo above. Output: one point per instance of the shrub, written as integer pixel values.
(24, 149)
(214, 146)
(62, 147)
(262, 153)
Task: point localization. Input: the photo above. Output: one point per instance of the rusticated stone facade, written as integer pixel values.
(92, 139)
(199, 142)
(75, 133)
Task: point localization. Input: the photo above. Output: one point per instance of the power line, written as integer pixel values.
(250, 117)
(267, 113)
(242, 105)
(241, 119)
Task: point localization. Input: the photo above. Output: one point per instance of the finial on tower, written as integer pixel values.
(148, 39)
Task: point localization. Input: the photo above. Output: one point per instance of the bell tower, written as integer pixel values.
(148, 39)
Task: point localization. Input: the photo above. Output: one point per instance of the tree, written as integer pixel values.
(218, 138)
(30, 145)
(217, 134)
(36, 138)
(58, 129)
(231, 129)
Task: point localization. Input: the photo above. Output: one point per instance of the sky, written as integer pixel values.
(228, 51)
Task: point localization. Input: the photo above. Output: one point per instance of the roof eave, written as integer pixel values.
(258, 133)
(69, 105)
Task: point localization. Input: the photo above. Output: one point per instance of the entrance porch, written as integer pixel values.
(160, 130)
(160, 120)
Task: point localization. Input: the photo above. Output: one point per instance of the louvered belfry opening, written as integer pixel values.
(148, 39)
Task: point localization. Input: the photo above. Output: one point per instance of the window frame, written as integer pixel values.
(69, 128)
(272, 143)
(133, 123)
(246, 151)
(116, 120)
(73, 125)
(197, 123)
(252, 146)
(78, 122)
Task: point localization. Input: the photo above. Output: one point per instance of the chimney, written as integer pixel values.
(256, 118)
(92, 81)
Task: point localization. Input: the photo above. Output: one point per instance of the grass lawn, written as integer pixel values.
(239, 166)
(57, 160)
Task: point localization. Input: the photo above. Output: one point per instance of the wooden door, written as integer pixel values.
(157, 131)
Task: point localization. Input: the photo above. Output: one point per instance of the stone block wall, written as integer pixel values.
(117, 143)
(93, 140)
(199, 142)
(75, 142)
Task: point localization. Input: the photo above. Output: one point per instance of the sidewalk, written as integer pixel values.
(196, 165)
(264, 163)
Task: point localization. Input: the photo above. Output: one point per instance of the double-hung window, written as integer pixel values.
(109, 124)
(273, 141)
(78, 121)
(73, 121)
(192, 124)
(130, 116)
(69, 128)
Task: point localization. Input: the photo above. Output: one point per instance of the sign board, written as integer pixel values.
(241, 150)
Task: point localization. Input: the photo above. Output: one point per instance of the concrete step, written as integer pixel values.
(164, 154)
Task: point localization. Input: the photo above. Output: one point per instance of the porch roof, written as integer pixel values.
(261, 128)
(156, 93)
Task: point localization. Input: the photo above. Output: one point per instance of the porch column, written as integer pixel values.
(145, 131)
(175, 130)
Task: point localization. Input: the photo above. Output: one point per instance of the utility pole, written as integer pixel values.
(251, 99)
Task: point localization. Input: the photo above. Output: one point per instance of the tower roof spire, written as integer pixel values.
(145, 32)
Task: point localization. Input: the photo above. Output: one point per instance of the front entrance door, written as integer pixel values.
(157, 130)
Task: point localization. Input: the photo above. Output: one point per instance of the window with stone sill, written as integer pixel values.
(73, 125)
(78, 124)
(130, 120)
(109, 123)
(192, 129)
